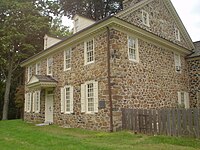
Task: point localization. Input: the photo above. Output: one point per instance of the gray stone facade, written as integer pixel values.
(151, 83)
(160, 21)
(194, 75)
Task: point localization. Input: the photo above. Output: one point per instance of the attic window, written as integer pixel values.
(145, 18)
(177, 34)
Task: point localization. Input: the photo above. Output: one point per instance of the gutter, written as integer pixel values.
(109, 82)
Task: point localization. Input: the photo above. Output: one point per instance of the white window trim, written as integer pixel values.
(177, 65)
(63, 100)
(136, 48)
(143, 21)
(48, 66)
(28, 102)
(84, 100)
(34, 107)
(66, 69)
(186, 99)
(85, 52)
(177, 34)
(30, 72)
(37, 68)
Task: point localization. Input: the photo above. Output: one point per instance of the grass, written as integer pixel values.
(18, 135)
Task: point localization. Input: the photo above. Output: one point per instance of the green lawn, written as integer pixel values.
(18, 135)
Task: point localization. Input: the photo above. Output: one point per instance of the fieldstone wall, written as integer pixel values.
(161, 21)
(78, 75)
(194, 76)
(151, 83)
(37, 117)
(31, 116)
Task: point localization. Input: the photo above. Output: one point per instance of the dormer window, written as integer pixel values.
(145, 18)
(177, 60)
(177, 34)
(50, 66)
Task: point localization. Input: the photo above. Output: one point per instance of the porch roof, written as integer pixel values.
(41, 81)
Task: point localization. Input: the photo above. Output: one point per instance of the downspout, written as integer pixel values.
(109, 82)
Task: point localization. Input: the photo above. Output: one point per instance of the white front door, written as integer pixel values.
(49, 107)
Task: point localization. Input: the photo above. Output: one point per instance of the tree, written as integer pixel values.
(94, 9)
(58, 29)
(22, 28)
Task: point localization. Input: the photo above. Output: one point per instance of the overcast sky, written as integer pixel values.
(189, 12)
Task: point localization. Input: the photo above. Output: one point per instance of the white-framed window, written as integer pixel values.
(145, 18)
(177, 60)
(28, 102)
(36, 102)
(50, 66)
(38, 68)
(89, 51)
(89, 97)
(30, 72)
(183, 99)
(133, 53)
(177, 34)
(67, 100)
(67, 59)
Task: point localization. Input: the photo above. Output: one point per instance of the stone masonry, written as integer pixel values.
(151, 83)
(194, 75)
(161, 22)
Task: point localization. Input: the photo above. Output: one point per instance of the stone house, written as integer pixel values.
(134, 59)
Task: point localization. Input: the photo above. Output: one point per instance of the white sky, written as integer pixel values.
(189, 12)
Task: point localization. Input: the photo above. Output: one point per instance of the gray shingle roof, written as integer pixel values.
(196, 52)
(45, 78)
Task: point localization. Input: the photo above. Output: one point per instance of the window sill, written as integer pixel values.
(67, 69)
(134, 60)
(88, 63)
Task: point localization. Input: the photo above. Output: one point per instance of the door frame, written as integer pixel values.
(46, 95)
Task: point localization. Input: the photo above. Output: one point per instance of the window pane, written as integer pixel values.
(67, 99)
(90, 96)
(90, 51)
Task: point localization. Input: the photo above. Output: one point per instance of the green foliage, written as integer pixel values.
(19, 135)
(23, 24)
(94, 9)
(58, 29)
